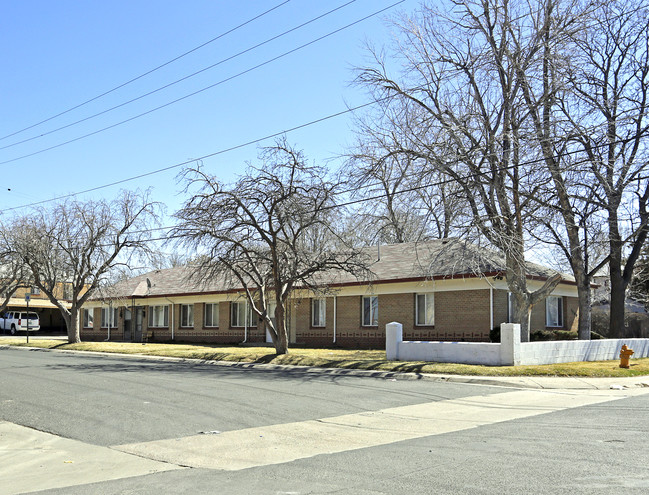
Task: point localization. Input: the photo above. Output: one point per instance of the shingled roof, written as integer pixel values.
(436, 259)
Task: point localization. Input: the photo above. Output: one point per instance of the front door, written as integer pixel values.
(139, 318)
(127, 325)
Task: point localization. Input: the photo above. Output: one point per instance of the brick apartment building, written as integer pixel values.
(439, 290)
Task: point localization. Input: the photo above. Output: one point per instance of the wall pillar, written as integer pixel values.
(510, 344)
(393, 337)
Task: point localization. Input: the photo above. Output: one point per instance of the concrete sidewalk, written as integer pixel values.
(33, 460)
(550, 382)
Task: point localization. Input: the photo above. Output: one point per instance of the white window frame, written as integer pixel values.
(214, 323)
(554, 311)
(35, 291)
(88, 317)
(157, 313)
(186, 316)
(105, 315)
(319, 312)
(429, 309)
(371, 318)
(247, 311)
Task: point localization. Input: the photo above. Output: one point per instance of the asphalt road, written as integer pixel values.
(86, 424)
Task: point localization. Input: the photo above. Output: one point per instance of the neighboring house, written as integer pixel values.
(49, 315)
(439, 290)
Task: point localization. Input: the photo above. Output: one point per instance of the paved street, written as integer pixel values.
(83, 423)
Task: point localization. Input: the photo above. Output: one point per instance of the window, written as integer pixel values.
(108, 317)
(554, 311)
(88, 318)
(370, 311)
(187, 315)
(425, 309)
(67, 292)
(211, 315)
(158, 316)
(238, 316)
(318, 312)
(36, 291)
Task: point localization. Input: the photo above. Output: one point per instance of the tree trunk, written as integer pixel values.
(281, 343)
(618, 298)
(584, 298)
(524, 300)
(72, 324)
(522, 315)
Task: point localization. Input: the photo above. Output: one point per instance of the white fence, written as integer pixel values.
(511, 351)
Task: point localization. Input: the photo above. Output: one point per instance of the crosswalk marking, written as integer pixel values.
(281, 443)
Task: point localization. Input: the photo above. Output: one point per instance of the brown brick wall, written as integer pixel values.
(463, 315)
(98, 333)
(501, 307)
(473, 325)
(537, 319)
(313, 336)
(570, 312)
(459, 316)
(223, 334)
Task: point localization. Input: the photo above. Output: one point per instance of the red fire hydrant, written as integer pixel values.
(625, 354)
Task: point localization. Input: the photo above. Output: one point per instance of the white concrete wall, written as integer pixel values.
(511, 351)
(567, 351)
(450, 352)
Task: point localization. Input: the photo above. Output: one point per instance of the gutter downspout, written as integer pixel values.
(245, 324)
(335, 299)
(110, 317)
(491, 307)
(171, 323)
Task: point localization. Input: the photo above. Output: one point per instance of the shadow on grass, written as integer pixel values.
(266, 359)
(367, 365)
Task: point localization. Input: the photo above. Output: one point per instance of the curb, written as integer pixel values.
(536, 382)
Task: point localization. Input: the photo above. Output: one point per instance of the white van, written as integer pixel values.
(15, 321)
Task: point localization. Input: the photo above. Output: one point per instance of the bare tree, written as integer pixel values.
(584, 82)
(12, 273)
(639, 288)
(606, 111)
(462, 112)
(77, 243)
(272, 231)
(407, 200)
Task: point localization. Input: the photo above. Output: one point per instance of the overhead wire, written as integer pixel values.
(366, 198)
(192, 160)
(262, 64)
(163, 169)
(177, 81)
(256, 141)
(105, 93)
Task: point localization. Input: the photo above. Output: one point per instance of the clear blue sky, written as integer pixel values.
(60, 54)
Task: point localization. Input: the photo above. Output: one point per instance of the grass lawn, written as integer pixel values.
(342, 358)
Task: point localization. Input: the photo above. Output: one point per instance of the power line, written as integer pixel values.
(365, 199)
(205, 88)
(270, 136)
(132, 100)
(186, 162)
(148, 72)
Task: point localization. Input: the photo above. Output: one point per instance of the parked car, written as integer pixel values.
(15, 321)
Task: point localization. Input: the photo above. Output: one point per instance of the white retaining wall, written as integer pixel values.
(511, 351)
